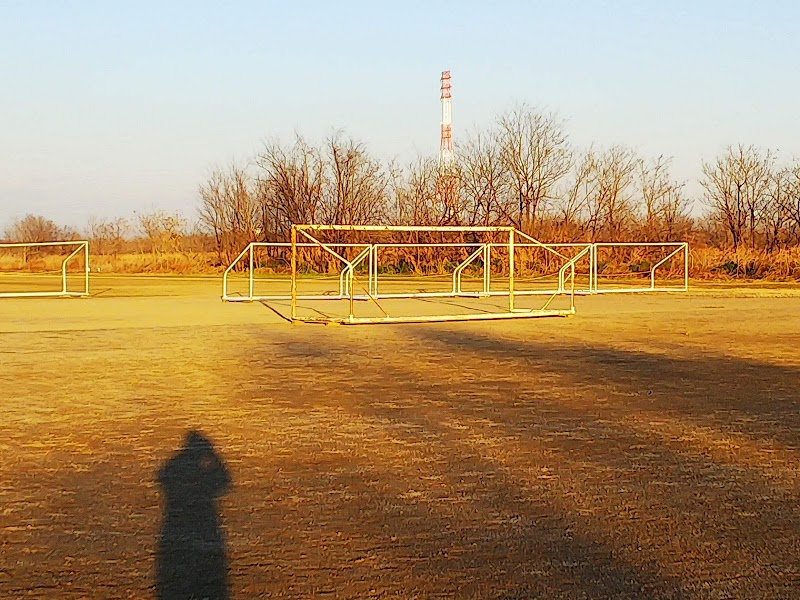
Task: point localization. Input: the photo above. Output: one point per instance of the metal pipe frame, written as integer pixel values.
(81, 247)
(252, 297)
(679, 247)
(407, 228)
(517, 314)
(370, 252)
(481, 250)
(373, 275)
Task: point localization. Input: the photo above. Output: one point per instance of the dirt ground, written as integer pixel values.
(649, 447)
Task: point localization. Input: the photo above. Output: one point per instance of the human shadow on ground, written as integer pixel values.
(192, 560)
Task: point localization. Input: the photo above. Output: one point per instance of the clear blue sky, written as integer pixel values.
(111, 107)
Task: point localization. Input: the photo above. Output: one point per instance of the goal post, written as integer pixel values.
(362, 273)
(372, 294)
(638, 267)
(44, 269)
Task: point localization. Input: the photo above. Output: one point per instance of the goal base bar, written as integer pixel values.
(392, 296)
(526, 314)
(44, 295)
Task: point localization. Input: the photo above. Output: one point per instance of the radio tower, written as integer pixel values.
(447, 183)
(446, 143)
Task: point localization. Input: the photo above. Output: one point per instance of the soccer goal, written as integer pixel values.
(355, 274)
(44, 269)
(636, 267)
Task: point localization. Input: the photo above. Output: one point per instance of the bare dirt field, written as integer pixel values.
(647, 448)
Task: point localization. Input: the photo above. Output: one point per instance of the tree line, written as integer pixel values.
(156, 231)
(521, 171)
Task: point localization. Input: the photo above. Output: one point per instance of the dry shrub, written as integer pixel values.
(35, 263)
(706, 263)
(745, 263)
(182, 263)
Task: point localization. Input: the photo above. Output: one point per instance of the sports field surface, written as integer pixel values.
(649, 447)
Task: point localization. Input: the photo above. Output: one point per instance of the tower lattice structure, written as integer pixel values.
(447, 183)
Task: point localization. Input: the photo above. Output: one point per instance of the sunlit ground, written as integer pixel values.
(647, 448)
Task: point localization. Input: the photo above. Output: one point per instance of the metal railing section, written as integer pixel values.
(652, 287)
(81, 248)
(251, 295)
(370, 253)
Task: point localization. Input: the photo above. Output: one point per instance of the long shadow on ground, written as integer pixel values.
(755, 398)
(603, 507)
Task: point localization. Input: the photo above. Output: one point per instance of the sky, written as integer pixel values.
(109, 108)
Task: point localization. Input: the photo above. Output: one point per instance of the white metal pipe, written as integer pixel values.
(81, 246)
(39, 244)
(86, 268)
(460, 269)
(375, 250)
(58, 294)
(658, 264)
(303, 245)
(432, 245)
(539, 244)
(250, 275)
(686, 267)
(639, 243)
(324, 246)
(487, 268)
(293, 289)
(229, 269)
(349, 270)
(407, 228)
(511, 270)
(520, 314)
(64, 268)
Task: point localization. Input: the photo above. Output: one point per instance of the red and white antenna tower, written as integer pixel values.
(446, 142)
(447, 182)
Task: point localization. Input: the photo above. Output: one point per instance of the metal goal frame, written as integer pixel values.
(302, 235)
(674, 249)
(81, 247)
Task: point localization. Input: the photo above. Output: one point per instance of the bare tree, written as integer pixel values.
(107, 236)
(573, 205)
(164, 231)
(229, 210)
(791, 203)
(610, 177)
(775, 213)
(535, 152)
(415, 193)
(290, 185)
(35, 228)
(737, 188)
(484, 181)
(356, 185)
(663, 203)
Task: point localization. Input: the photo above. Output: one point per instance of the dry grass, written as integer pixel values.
(714, 263)
(705, 263)
(647, 448)
(179, 263)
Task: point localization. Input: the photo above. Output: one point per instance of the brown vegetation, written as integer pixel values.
(520, 171)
